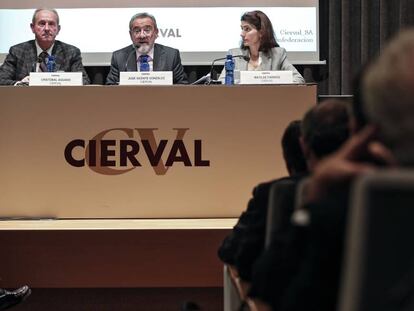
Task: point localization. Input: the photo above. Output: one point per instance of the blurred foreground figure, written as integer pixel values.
(9, 299)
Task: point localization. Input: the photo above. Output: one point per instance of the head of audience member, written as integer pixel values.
(257, 32)
(45, 26)
(325, 127)
(292, 151)
(389, 96)
(143, 31)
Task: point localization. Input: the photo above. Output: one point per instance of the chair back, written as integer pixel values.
(280, 208)
(378, 270)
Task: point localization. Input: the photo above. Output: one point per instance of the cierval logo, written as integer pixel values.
(101, 157)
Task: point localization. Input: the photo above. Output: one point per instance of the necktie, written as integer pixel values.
(143, 63)
(42, 61)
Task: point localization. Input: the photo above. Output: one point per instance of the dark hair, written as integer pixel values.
(262, 23)
(325, 127)
(292, 152)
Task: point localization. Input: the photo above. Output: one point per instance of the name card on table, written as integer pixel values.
(145, 78)
(55, 79)
(266, 77)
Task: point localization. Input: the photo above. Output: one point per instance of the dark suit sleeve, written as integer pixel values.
(252, 241)
(246, 241)
(179, 76)
(228, 249)
(77, 66)
(113, 75)
(231, 244)
(8, 69)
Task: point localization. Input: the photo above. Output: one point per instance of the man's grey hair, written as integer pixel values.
(45, 9)
(142, 15)
(388, 90)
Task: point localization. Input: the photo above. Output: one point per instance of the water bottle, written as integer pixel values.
(51, 63)
(229, 65)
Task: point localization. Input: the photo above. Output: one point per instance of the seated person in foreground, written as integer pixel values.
(244, 244)
(145, 55)
(385, 141)
(30, 56)
(325, 128)
(259, 44)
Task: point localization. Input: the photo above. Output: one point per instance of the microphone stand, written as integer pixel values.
(127, 59)
(213, 78)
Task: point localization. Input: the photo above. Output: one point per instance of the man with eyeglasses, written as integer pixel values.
(33, 55)
(144, 54)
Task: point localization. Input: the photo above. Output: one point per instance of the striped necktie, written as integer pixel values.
(42, 61)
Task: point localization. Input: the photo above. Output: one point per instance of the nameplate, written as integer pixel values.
(55, 79)
(266, 77)
(146, 78)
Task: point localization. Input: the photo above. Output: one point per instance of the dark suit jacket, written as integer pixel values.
(22, 59)
(317, 278)
(165, 59)
(246, 242)
(277, 266)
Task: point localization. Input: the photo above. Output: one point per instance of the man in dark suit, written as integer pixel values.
(325, 127)
(244, 244)
(386, 104)
(144, 54)
(30, 56)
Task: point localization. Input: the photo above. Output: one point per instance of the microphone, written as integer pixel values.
(212, 73)
(129, 56)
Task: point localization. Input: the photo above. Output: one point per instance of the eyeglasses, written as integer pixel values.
(147, 31)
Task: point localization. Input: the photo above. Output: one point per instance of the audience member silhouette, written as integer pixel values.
(325, 128)
(246, 241)
(387, 140)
